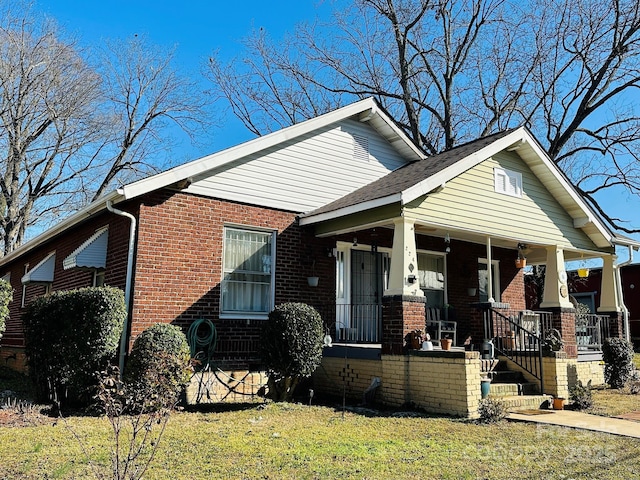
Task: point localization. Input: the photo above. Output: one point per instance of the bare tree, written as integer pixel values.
(47, 96)
(70, 130)
(145, 96)
(453, 70)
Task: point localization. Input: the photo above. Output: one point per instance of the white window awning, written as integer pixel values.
(91, 254)
(42, 272)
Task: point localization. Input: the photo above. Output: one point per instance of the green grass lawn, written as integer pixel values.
(288, 441)
(294, 441)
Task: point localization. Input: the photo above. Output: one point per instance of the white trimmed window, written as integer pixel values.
(248, 275)
(507, 182)
(431, 274)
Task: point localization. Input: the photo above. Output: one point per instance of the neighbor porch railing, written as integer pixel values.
(591, 331)
(518, 336)
(353, 323)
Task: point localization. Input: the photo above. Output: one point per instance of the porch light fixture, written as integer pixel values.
(355, 241)
(583, 271)
(521, 260)
(447, 243)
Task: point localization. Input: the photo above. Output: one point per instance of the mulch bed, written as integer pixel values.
(635, 416)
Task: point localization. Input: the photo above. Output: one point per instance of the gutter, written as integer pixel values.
(127, 288)
(625, 310)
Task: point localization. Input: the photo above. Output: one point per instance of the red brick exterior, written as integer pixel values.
(179, 267)
(564, 320)
(178, 270)
(400, 316)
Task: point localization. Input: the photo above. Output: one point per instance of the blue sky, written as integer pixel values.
(199, 27)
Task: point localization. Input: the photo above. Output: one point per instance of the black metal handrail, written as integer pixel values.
(519, 337)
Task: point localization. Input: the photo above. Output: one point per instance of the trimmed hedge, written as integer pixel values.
(6, 295)
(70, 335)
(617, 354)
(291, 347)
(158, 367)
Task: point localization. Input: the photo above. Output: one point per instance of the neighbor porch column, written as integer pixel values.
(610, 301)
(403, 275)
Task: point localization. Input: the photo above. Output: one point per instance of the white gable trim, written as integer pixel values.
(366, 110)
(92, 253)
(42, 272)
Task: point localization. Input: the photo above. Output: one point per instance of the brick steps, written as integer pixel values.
(524, 402)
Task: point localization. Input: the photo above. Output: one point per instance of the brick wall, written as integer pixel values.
(179, 268)
(438, 382)
(400, 315)
(64, 245)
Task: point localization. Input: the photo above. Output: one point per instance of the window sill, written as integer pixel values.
(243, 316)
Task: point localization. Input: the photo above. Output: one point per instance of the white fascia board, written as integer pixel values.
(342, 212)
(86, 212)
(439, 179)
(205, 164)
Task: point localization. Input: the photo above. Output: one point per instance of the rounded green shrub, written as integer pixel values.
(291, 347)
(70, 335)
(159, 367)
(617, 354)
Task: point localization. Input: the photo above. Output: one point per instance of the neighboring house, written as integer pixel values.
(586, 290)
(395, 239)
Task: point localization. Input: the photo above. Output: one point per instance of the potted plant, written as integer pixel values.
(445, 343)
(485, 386)
(313, 280)
(426, 341)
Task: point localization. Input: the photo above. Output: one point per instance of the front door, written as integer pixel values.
(369, 275)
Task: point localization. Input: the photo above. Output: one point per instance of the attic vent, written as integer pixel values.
(507, 182)
(360, 148)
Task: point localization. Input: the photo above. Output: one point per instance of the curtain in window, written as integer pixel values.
(247, 271)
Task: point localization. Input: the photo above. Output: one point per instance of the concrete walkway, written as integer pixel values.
(584, 421)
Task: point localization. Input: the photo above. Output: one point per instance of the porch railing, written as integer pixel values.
(518, 336)
(591, 331)
(353, 323)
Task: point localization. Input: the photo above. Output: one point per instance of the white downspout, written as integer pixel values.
(127, 288)
(625, 310)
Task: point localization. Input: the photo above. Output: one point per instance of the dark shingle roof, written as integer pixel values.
(409, 175)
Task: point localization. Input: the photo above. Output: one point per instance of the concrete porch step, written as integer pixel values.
(524, 402)
(507, 389)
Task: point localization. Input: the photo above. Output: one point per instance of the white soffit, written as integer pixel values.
(42, 272)
(91, 254)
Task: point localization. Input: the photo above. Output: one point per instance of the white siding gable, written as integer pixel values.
(305, 173)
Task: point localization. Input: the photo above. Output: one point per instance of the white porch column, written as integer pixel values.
(609, 300)
(403, 277)
(556, 291)
(489, 272)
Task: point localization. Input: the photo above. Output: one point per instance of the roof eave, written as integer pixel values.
(93, 208)
(311, 219)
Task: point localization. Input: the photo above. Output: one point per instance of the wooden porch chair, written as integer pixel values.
(439, 326)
